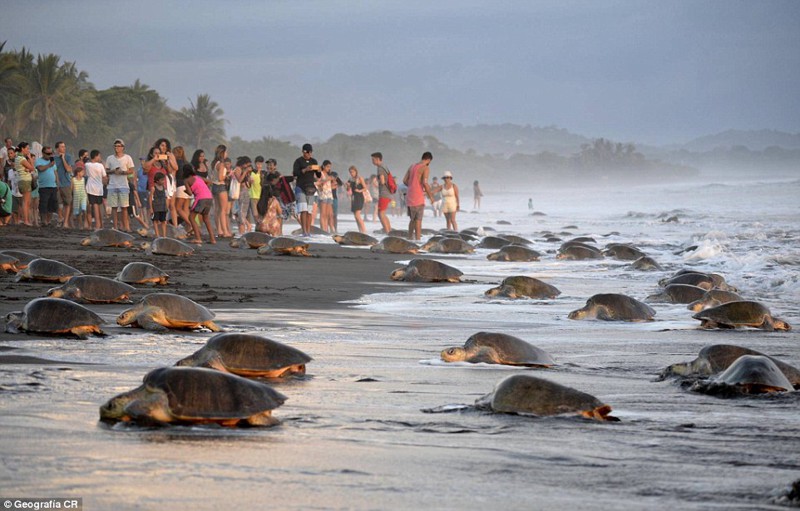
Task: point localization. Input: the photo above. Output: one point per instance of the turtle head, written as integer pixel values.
(779, 324)
(494, 291)
(56, 292)
(141, 231)
(114, 409)
(338, 238)
(398, 274)
(145, 245)
(237, 243)
(696, 306)
(14, 322)
(454, 354)
(578, 314)
(127, 317)
(86, 242)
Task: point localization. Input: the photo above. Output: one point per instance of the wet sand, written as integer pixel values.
(353, 433)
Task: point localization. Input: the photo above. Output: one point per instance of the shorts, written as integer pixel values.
(118, 198)
(246, 207)
(305, 203)
(415, 213)
(218, 189)
(65, 195)
(383, 203)
(180, 193)
(48, 200)
(159, 216)
(203, 206)
(24, 186)
(326, 201)
(95, 199)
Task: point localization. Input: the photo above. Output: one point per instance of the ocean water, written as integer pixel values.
(357, 434)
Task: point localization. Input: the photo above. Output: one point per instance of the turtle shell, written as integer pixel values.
(256, 239)
(23, 258)
(717, 358)
(358, 239)
(713, 298)
(429, 270)
(755, 370)
(9, 263)
(623, 252)
(247, 353)
(509, 350)
(97, 289)
(140, 272)
(677, 293)
(693, 279)
(48, 270)
(395, 245)
(452, 246)
(177, 308)
(282, 243)
(169, 246)
(645, 263)
(526, 286)
(110, 238)
(493, 242)
(736, 314)
(514, 253)
(578, 252)
(55, 315)
(517, 240)
(614, 307)
(197, 393)
(524, 394)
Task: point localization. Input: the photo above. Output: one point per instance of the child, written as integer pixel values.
(79, 198)
(158, 205)
(203, 202)
(96, 179)
(272, 220)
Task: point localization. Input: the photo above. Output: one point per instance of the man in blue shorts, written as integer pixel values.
(306, 171)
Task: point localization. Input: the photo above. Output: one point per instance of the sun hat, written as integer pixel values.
(447, 173)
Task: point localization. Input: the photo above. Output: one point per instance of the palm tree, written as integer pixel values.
(9, 86)
(147, 118)
(202, 124)
(51, 96)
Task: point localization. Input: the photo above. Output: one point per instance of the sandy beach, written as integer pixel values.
(354, 433)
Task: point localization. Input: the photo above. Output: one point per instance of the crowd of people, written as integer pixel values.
(46, 186)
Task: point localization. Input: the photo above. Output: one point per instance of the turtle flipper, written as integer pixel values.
(148, 323)
(212, 326)
(263, 419)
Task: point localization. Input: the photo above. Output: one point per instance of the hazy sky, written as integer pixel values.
(645, 71)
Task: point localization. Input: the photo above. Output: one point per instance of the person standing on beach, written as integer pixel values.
(355, 189)
(384, 195)
(24, 171)
(451, 201)
(96, 178)
(48, 186)
(416, 179)
(64, 163)
(203, 203)
(8, 143)
(119, 166)
(436, 190)
(306, 171)
(477, 193)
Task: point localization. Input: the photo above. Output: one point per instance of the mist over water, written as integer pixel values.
(354, 435)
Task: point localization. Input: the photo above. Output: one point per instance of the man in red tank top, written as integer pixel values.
(416, 179)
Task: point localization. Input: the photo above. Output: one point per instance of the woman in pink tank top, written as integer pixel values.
(203, 203)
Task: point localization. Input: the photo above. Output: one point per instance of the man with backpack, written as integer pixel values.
(386, 189)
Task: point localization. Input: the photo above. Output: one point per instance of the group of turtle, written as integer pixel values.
(224, 383)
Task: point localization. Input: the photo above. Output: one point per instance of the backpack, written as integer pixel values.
(391, 184)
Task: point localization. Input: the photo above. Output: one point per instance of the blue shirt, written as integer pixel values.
(47, 178)
(64, 177)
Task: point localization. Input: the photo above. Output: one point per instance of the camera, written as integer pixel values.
(52, 159)
(162, 156)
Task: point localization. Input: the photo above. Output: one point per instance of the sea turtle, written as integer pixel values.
(249, 355)
(432, 241)
(23, 258)
(314, 230)
(614, 307)
(712, 298)
(195, 395)
(743, 313)
(748, 374)
(394, 245)
(108, 238)
(426, 270)
(517, 240)
(142, 273)
(178, 233)
(47, 270)
(498, 348)
(677, 293)
(622, 251)
(168, 246)
(469, 238)
(717, 358)
(93, 289)
(354, 238)
(693, 279)
(161, 311)
(579, 239)
(493, 242)
(398, 233)
(520, 286)
(515, 253)
(451, 246)
(529, 395)
(645, 263)
(285, 246)
(578, 252)
(55, 316)
(8, 263)
(254, 239)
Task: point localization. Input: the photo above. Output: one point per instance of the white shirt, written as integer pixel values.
(95, 172)
(116, 181)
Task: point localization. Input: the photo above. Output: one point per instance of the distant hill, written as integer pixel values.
(755, 140)
(505, 139)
